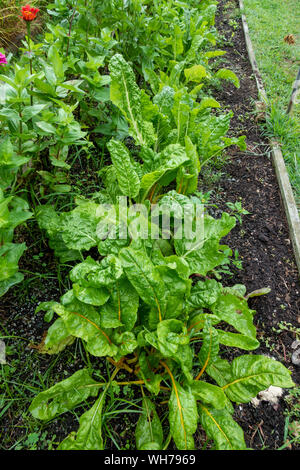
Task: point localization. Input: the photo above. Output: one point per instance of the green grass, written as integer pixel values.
(269, 22)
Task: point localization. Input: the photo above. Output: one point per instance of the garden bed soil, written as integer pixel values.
(263, 239)
(264, 248)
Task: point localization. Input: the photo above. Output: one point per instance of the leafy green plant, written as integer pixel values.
(132, 77)
(13, 212)
(138, 306)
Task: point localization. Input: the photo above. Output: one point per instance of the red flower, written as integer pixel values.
(29, 13)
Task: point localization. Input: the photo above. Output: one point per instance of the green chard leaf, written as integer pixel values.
(252, 374)
(145, 279)
(148, 433)
(210, 346)
(89, 435)
(221, 427)
(64, 396)
(122, 306)
(183, 416)
(209, 394)
(128, 179)
(126, 95)
(147, 365)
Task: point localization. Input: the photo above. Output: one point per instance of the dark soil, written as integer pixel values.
(264, 247)
(263, 240)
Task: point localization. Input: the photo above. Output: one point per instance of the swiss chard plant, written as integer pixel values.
(149, 302)
(145, 296)
(139, 305)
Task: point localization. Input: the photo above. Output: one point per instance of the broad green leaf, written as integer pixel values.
(197, 41)
(221, 427)
(128, 179)
(203, 259)
(195, 73)
(91, 273)
(165, 100)
(176, 41)
(57, 339)
(29, 111)
(220, 370)
(210, 346)
(46, 127)
(204, 253)
(121, 309)
(147, 365)
(97, 340)
(187, 177)
(205, 293)
(148, 433)
(83, 321)
(209, 103)
(91, 295)
(171, 334)
(126, 95)
(174, 273)
(227, 74)
(170, 160)
(209, 394)
(237, 340)
(126, 342)
(89, 435)
(57, 62)
(181, 113)
(236, 312)
(252, 374)
(197, 322)
(6, 284)
(10, 253)
(210, 136)
(44, 87)
(79, 228)
(144, 278)
(64, 396)
(183, 416)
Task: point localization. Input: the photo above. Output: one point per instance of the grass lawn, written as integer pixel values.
(270, 21)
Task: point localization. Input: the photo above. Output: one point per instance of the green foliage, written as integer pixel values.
(134, 297)
(140, 299)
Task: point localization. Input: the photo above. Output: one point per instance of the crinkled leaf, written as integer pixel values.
(171, 334)
(183, 416)
(64, 396)
(144, 278)
(125, 94)
(236, 312)
(209, 394)
(227, 74)
(121, 309)
(252, 374)
(221, 427)
(195, 73)
(91, 273)
(128, 179)
(89, 435)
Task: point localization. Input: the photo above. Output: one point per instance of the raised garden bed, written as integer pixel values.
(263, 247)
